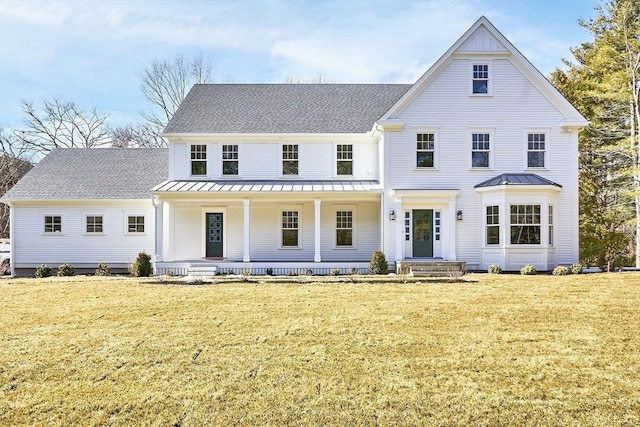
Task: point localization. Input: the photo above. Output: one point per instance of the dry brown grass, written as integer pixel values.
(496, 351)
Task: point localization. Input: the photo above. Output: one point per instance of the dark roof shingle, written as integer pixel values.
(93, 173)
(284, 108)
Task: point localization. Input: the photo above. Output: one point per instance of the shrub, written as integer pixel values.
(66, 270)
(561, 270)
(335, 271)
(528, 270)
(43, 271)
(576, 268)
(378, 263)
(269, 271)
(141, 267)
(494, 269)
(103, 270)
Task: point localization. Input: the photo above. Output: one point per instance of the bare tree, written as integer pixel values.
(317, 78)
(61, 124)
(15, 162)
(137, 135)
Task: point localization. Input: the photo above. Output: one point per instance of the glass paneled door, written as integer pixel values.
(214, 235)
(422, 233)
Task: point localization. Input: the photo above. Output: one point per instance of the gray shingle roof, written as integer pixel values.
(284, 108)
(516, 179)
(93, 173)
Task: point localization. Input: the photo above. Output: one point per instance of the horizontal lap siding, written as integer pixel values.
(515, 107)
(74, 247)
(367, 231)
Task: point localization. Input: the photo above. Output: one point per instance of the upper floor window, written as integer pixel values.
(344, 228)
(480, 80)
(198, 160)
(52, 224)
(289, 159)
(536, 147)
(425, 150)
(344, 159)
(229, 160)
(135, 224)
(525, 224)
(480, 150)
(93, 223)
(290, 227)
(493, 225)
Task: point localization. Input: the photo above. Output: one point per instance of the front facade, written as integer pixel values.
(475, 162)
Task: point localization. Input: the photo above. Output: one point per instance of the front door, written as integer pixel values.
(214, 235)
(423, 233)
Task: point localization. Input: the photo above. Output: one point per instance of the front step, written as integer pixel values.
(432, 269)
(202, 270)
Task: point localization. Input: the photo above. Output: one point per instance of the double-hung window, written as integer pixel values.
(536, 147)
(525, 224)
(480, 79)
(344, 228)
(198, 160)
(480, 150)
(52, 224)
(135, 224)
(290, 159)
(425, 150)
(493, 225)
(93, 224)
(290, 228)
(230, 160)
(344, 159)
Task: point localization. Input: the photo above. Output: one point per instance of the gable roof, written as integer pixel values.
(283, 108)
(93, 174)
(483, 38)
(516, 179)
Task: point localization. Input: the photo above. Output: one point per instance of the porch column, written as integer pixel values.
(453, 218)
(246, 257)
(159, 227)
(316, 252)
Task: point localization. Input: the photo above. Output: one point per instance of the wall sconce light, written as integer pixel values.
(459, 215)
(392, 215)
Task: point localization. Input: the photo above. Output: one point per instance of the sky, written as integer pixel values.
(91, 52)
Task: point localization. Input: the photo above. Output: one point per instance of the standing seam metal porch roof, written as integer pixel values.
(259, 186)
(283, 108)
(516, 179)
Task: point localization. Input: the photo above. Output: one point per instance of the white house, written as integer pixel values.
(475, 162)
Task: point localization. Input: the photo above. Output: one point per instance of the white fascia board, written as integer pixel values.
(520, 189)
(265, 137)
(80, 202)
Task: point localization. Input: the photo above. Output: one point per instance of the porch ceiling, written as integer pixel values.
(258, 186)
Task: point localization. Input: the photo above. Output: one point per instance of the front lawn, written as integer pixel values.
(493, 350)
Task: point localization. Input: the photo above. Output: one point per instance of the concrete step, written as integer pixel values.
(202, 270)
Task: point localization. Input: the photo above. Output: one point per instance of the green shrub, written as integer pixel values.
(494, 269)
(335, 271)
(43, 271)
(141, 267)
(66, 270)
(561, 270)
(103, 270)
(378, 263)
(528, 270)
(269, 271)
(576, 268)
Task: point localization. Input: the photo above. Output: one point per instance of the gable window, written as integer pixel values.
(480, 79)
(93, 223)
(229, 160)
(52, 224)
(344, 228)
(198, 160)
(135, 224)
(344, 159)
(535, 150)
(425, 150)
(290, 159)
(290, 227)
(493, 225)
(525, 224)
(480, 150)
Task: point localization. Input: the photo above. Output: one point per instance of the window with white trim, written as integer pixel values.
(344, 228)
(425, 150)
(407, 226)
(230, 159)
(93, 224)
(436, 219)
(536, 148)
(493, 225)
(480, 79)
(135, 224)
(480, 150)
(550, 225)
(290, 159)
(53, 224)
(198, 159)
(344, 159)
(290, 229)
(525, 224)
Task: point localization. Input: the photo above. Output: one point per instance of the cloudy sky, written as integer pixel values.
(91, 52)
